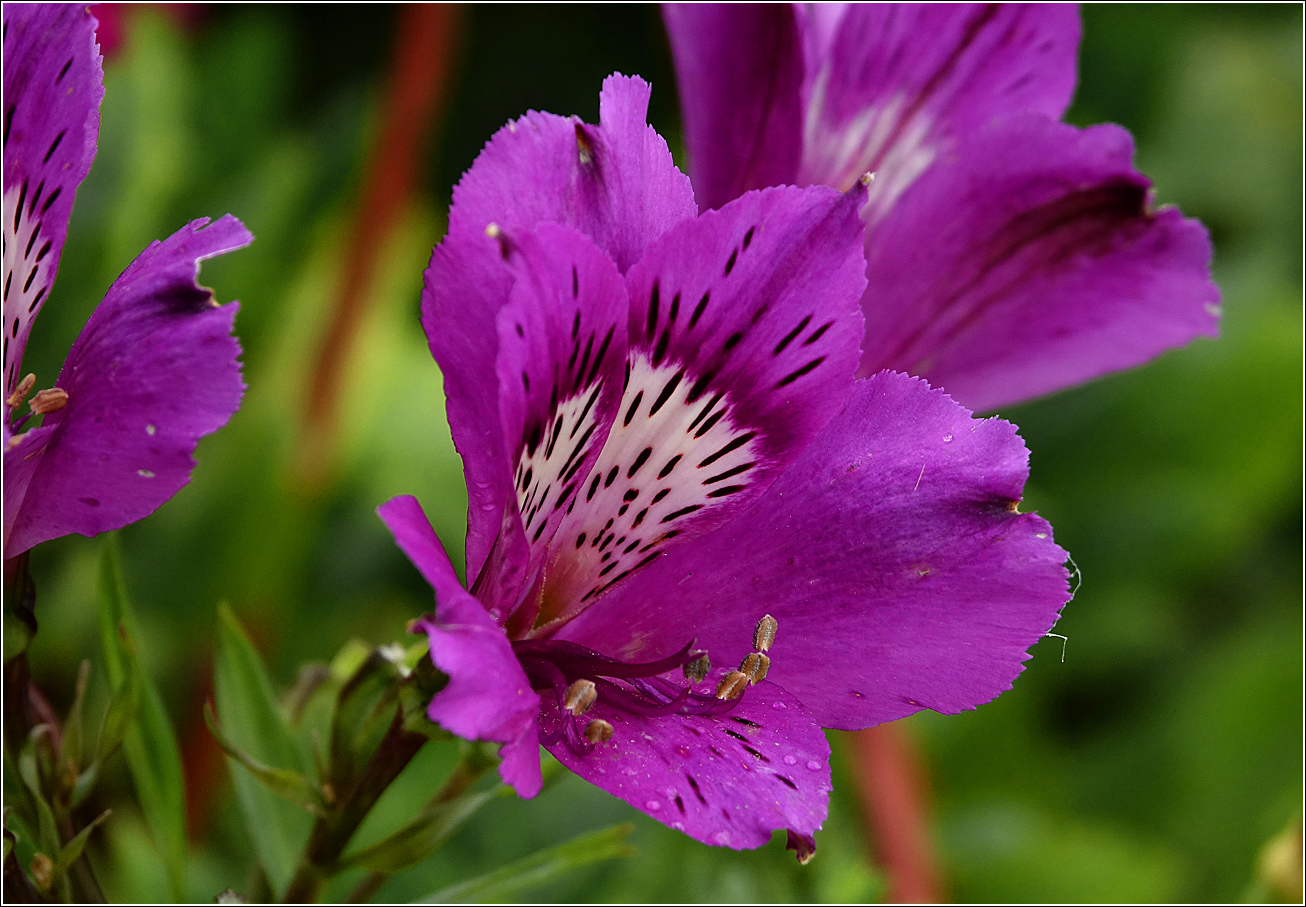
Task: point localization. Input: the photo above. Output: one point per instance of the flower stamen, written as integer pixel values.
(50, 400)
(598, 731)
(732, 686)
(20, 393)
(580, 697)
(755, 667)
(764, 633)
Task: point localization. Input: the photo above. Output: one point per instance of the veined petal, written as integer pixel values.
(739, 68)
(488, 696)
(562, 356)
(53, 85)
(1030, 261)
(726, 780)
(891, 555)
(463, 290)
(890, 87)
(744, 332)
(153, 371)
(614, 182)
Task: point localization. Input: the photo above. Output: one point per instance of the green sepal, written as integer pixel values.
(416, 694)
(364, 711)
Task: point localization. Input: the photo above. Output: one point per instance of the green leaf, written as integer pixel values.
(69, 853)
(539, 868)
(73, 733)
(252, 722)
(120, 714)
(419, 838)
(29, 769)
(150, 744)
(291, 785)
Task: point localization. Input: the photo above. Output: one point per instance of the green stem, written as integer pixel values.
(466, 773)
(331, 833)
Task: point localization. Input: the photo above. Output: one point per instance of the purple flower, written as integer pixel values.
(156, 366)
(668, 457)
(1008, 254)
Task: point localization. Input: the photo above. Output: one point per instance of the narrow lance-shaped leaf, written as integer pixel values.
(421, 837)
(69, 853)
(30, 771)
(70, 748)
(252, 721)
(539, 868)
(150, 744)
(291, 785)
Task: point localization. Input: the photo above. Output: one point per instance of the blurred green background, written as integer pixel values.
(1151, 764)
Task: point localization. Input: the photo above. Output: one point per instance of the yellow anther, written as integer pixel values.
(755, 667)
(598, 731)
(697, 669)
(580, 697)
(50, 400)
(732, 686)
(21, 391)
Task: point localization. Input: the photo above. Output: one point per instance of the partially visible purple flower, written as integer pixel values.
(156, 366)
(664, 443)
(1009, 255)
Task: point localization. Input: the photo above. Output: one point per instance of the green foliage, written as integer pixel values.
(539, 868)
(272, 766)
(136, 717)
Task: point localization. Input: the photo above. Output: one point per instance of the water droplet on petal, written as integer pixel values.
(721, 837)
(150, 430)
(494, 614)
(789, 760)
(813, 765)
(652, 805)
(947, 438)
(777, 705)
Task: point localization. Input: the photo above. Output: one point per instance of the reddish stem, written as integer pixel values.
(418, 83)
(893, 789)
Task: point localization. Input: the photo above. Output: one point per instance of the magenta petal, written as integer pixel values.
(464, 288)
(745, 328)
(890, 554)
(889, 87)
(52, 91)
(726, 780)
(615, 182)
(1031, 261)
(488, 696)
(153, 371)
(561, 361)
(739, 68)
